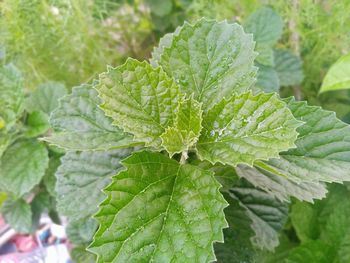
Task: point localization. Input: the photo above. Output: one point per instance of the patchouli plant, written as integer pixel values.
(197, 152)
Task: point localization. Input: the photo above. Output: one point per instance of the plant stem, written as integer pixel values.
(295, 41)
(184, 157)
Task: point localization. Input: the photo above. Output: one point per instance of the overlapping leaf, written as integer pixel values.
(280, 186)
(11, 95)
(140, 99)
(210, 59)
(158, 210)
(268, 215)
(288, 67)
(184, 133)
(323, 147)
(19, 174)
(80, 179)
(81, 125)
(338, 76)
(18, 215)
(246, 128)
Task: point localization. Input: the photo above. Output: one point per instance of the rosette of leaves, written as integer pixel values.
(27, 166)
(277, 66)
(210, 140)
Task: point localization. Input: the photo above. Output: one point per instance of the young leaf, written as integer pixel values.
(289, 68)
(45, 97)
(246, 128)
(323, 147)
(212, 60)
(338, 76)
(80, 179)
(18, 215)
(266, 212)
(158, 210)
(11, 95)
(140, 99)
(19, 174)
(82, 125)
(184, 133)
(279, 186)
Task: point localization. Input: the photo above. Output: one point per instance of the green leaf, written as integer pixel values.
(158, 210)
(289, 68)
(80, 255)
(268, 215)
(338, 76)
(37, 124)
(82, 231)
(237, 247)
(268, 80)
(49, 179)
(184, 133)
(45, 97)
(86, 173)
(140, 99)
(160, 7)
(81, 125)
(315, 251)
(19, 174)
(246, 128)
(266, 56)
(323, 147)
(279, 186)
(11, 95)
(18, 215)
(41, 203)
(265, 25)
(211, 60)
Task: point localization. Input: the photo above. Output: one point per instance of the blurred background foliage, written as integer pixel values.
(71, 41)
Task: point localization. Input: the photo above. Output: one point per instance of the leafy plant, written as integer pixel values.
(27, 166)
(202, 141)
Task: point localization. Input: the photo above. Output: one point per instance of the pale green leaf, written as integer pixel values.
(338, 76)
(289, 68)
(323, 147)
(160, 7)
(211, 60)
(11, 95)
(81, 178)
(81, 125)
(158, 210)
(45, 97)
(49, 179)
(265, 25)
(82, 231)
(268, 215)
(140, 99)
(19, 174)
(268, 80)
(279, 186)
(165, 41)
(18, 215)
(80, 255)
(246, 128)
(184, 133)
(266, 56)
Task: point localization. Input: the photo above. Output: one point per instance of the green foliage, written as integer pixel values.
(338, 76)
(196, 100)
(18, 214)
